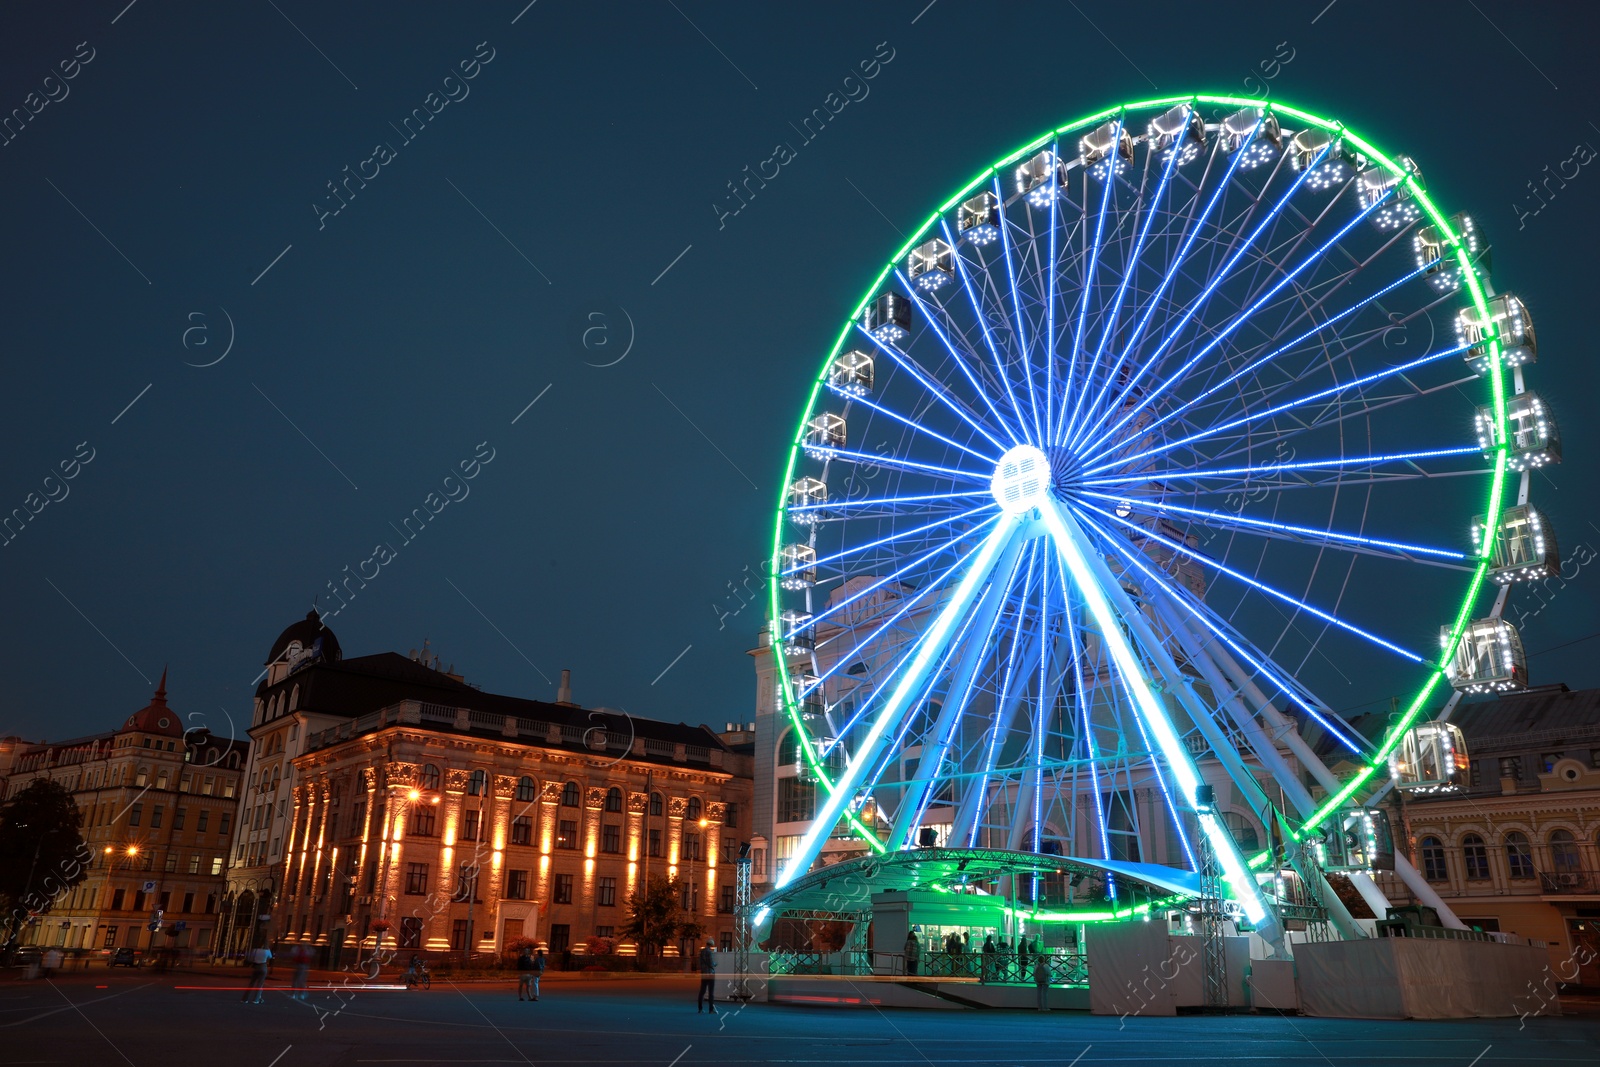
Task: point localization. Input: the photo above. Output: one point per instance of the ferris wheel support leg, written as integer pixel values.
(1101, 590)
(972, 804)
(1425, 893)
(979, 633)
(911, 684)
(1199, 653)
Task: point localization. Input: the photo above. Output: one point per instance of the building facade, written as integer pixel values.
(1518, 850)
(158, 805)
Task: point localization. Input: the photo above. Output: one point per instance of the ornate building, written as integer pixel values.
(158, 806)
(1518, 850)
(504, 818)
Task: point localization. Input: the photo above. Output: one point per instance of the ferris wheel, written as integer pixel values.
(1169, 436)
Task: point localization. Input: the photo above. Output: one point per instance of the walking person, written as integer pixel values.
(708, 978)
(51, 962)
(300, 956)
(261, 960)
(1041, 980)
(987, 964)
(913, 951)
(528, 974)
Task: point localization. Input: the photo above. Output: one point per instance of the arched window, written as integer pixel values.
(1433, 864)
(613, 799)
(1519, 857)
(693, 810)
(571, 797)
(1476, 856)
(294, 698)
(1563, 851)
(789, 749)
(526, 790)
(1242, 831)
(430, 777)
(477, 783)
(655, 803)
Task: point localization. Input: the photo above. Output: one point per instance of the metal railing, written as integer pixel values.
(995, 968)
(1577, 881)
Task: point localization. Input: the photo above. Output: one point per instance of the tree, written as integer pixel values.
(42, 854)
(655, 918)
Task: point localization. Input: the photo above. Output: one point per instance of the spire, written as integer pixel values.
(161, 690)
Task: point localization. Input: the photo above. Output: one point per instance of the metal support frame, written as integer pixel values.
(1213, 949)
(743, 930)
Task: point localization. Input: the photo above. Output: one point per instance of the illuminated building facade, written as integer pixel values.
(158, 807)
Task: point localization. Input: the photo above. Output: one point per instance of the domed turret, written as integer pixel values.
(307, 638)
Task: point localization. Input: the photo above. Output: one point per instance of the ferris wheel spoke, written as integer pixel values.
(960, 263)
(1236, 521)
(852, 550)
(1087, 288)
(1260, 586)
(1256, 364)
(913, 424)
(935, 390)
(869, 459)
(1192, 229)
(1016, 307)
(846, 504)
(1288, 405)
(1328, 464)
(909, 683)
(958, 354)
(1161, 781)
(1239, 320)
(1259, 662)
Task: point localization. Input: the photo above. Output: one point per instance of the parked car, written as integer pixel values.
(123, 957)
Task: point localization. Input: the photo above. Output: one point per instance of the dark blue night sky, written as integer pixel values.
(411, 222)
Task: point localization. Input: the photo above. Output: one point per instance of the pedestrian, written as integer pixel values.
(52, 962)
(1041, 980)
(261, 960)
(526, 975)
(300, 956)
(987, 964)
(913, 951)
(708, 978)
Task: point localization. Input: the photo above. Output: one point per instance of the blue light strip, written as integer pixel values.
(1231, 519)
(1016, 303)
(845, 505)
(1074, 433)
(1119, 545)
(955, 356)
(1262, 586)
(1000, 703)
(1161, 780)
(1057, 426)
(921, 428)
(934, 390)
(943, 520)
(906, 464)
(1088, 739)
(1041, 713)
(1122, 289)
(1310, 464)
(983, 324)
(1242, 318)
(1281, 349)
(1050, 310)
(1321, 394)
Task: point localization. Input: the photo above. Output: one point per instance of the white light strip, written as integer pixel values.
(1155, 716)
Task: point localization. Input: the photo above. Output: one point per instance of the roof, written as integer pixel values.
(155, 717)
(309, 631)
(1542, 715)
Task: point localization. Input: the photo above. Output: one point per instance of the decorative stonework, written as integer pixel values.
(676, 807)
(505, 787)
(455, 780)
(400, 774)
(552, 793)
(637, 803)
(597, 799)
(714, 811)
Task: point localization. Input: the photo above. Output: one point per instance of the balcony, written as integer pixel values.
(1570, 882)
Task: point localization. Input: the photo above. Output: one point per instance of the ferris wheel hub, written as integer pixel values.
(1021, 479)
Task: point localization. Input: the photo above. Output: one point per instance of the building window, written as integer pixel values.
(477, 784)
(605, 931)
(466, 884)
(135, 813)
(1476, 856)
(222, 825)
(655, 803)
(410, 932)
(172, 863)
(797, 800)
(1547, 762)
(1511, 767)
(178, 817)
(458, 934)
(567, 834)
(1563, 851)
(655, 842)
(469, 826)
(417, 879)
(607, 893)
(526, 790)
(111, 937)
(571, 796)
(611, 838)
(516, 885)
(1518, 855)
(727, 941)
(730, 816)
(155, 817)
(1433, 864)
(692, 810)
(194, 863)
(207, 785)
(116, 899)
(428, 777)
(729, 851)
(560, 938)
(725, 900)
(521, 830)
(423, 819)
(563, 889)
(1242, 832)
(200, 824)
(691, 847)
(613, 799)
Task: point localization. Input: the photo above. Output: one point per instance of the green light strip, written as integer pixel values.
(1492, 510)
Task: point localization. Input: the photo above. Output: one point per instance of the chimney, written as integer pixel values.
(564, 694)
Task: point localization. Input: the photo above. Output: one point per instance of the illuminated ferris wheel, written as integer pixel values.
(1157, 443)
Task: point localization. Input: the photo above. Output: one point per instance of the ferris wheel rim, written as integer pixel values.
(1471, 284)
